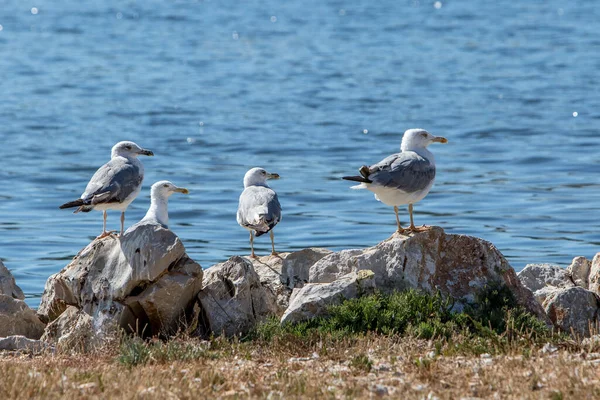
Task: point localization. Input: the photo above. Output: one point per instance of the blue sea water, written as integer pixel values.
(311, 90)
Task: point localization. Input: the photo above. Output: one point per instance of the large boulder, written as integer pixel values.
(594, 276)
(282, 273)
(73, 330)
(8, 286)
(538, 276)
(269, 271)
(564, 293)
(545, 279)
(233, 299)
(579, 271)
(574, 309)
(22, 344)
(296, 266)
(314, 299)
(431, 261)
(142, 282)
(16, 318)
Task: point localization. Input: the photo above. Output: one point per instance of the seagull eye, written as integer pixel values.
(424, 135)
(165, 185)
(127, 147)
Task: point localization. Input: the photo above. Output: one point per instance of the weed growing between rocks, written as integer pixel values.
(136, 351)
(494, 324)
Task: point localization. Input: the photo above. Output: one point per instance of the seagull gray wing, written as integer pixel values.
(259, 209)
(406, 171)
(113, 182)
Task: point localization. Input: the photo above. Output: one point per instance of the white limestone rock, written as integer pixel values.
(232, 299)
(8, 286)
(23, 344)
(142, 282)
(594, 277)
(579, 270)
(16, 318)
(456, 265)
(574, 309)
(281, 273)
(537, 276)
(313, 299)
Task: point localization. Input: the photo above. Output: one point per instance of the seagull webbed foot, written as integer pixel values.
(423, 228)
(105, 234)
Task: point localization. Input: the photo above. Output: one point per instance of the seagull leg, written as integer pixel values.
(400, 228)
(104, 233)
(412, 227)
(273, 252)
(252, 245)
(122, 223)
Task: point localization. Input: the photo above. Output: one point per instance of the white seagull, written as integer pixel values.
(259, 209)
(402, 178)
(115, 185)
(159, 202)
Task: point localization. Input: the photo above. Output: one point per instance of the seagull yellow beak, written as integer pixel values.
(182, 190)
(273, 176)
(440, 139)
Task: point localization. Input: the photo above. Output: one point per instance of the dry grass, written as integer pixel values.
(362, 367)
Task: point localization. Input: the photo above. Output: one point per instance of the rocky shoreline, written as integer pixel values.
(145, 283)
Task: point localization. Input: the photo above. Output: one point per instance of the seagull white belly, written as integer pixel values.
(397, 197)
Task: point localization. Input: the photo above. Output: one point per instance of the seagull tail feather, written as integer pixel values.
(71, 204)
(360, 179)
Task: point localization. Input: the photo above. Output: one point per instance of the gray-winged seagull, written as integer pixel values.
(259, 209)
(115, 185)
(402, 178)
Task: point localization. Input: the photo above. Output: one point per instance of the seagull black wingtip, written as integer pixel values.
(71, 204)
(357, 179)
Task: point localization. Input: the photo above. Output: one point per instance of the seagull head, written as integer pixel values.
(414, 139)
(164, 189)
(258, 177)
(129, 149)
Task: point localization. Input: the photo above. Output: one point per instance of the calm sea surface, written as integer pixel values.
(311, 90)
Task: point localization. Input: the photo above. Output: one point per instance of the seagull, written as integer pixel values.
(159, 201)
(115, 185)
(402, 178)
(259, 209)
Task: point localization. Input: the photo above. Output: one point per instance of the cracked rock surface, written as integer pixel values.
(142, 282)
(16, 318)
(456, 265)
(233, 299)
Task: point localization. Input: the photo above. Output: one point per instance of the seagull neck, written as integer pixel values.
(159, 206)
(422, 151)
(127, 155)
(248, 183)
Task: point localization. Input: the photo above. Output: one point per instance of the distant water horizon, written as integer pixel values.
(312, 91)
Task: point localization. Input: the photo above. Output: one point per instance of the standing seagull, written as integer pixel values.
(402, 178)
(115, 185)
(259, 209)
(159, 202)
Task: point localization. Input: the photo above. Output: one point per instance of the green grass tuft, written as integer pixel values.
(492, 324)
(361, 362)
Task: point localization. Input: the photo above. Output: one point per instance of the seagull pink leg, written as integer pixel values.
(104, 233)
(273, 252)
(412, 227)
(252, 245)
(122, 223)
(400, 228)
